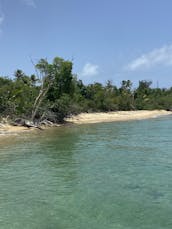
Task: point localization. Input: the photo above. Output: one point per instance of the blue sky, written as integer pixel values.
(106, 39)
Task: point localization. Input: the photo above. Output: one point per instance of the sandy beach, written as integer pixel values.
(84, 118)
(6, 128)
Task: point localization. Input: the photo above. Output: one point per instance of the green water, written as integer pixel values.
(99, 176)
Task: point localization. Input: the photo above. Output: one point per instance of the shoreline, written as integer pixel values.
(88, 118)
(10, 129)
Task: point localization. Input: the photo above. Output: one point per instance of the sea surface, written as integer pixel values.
(98, 176)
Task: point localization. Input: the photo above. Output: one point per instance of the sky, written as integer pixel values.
(105, 39)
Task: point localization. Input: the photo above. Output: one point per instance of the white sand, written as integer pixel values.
(6, 128)
(84, 118)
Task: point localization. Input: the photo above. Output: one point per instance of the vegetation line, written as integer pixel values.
(56, 93)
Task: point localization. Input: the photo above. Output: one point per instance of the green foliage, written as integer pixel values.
(16, 97)
(61, 73)
(56, 93)
(61, 108)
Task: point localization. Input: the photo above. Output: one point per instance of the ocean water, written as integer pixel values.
(98, 176)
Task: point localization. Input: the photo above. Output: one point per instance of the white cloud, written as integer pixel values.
(90, 70)
(157, 57)
(29, 3)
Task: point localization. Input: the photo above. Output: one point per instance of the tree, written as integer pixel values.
(62, 79)
(45, 80)
(142, 95)
(56, 79)
(19, 74)
(126, 98)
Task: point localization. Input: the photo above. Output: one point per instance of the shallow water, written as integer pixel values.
(98, 176)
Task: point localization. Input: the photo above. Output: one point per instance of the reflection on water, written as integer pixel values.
(109, 175)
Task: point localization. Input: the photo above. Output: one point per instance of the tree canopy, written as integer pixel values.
(55, 92)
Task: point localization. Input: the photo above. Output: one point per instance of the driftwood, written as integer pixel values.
(2, 125)
(30, 124)
(47, 123)
(26, 123)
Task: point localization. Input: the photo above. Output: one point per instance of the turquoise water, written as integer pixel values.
(98, 176)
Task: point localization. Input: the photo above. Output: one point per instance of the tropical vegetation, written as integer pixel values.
(54, 93)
